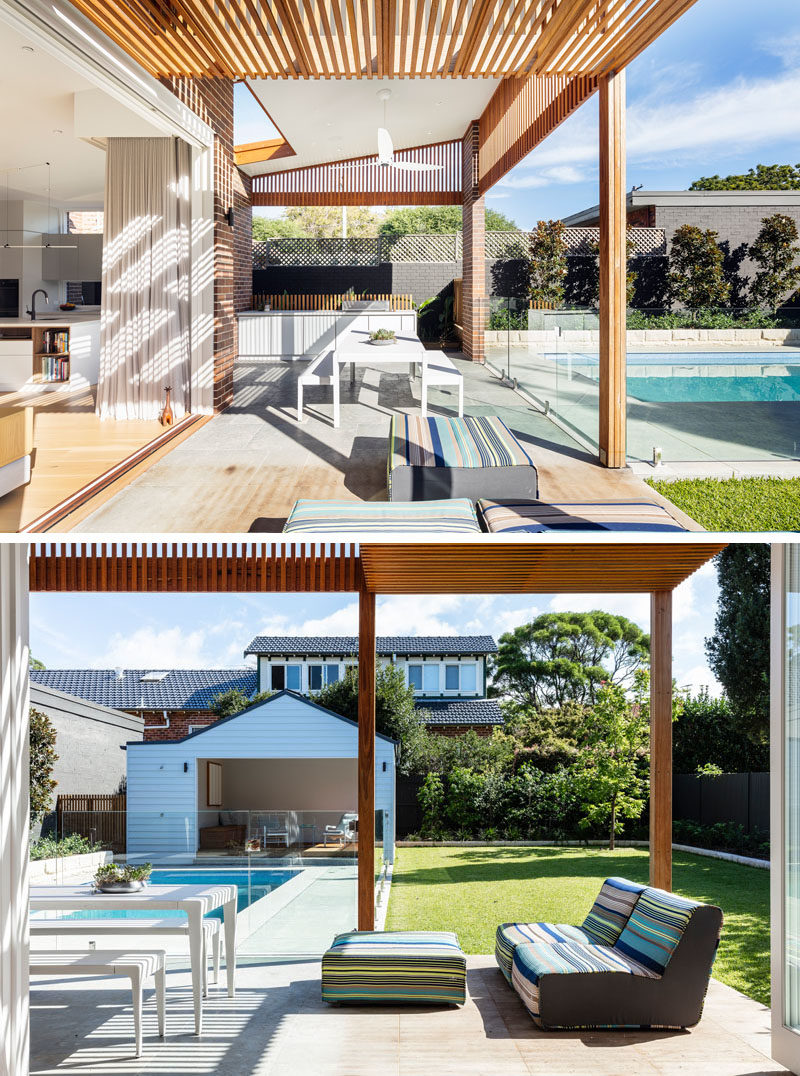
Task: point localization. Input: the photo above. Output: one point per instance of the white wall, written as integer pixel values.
(265, 665)
(14, 806)
(163, 798)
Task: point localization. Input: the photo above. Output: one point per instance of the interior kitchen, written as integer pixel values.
(66, 428)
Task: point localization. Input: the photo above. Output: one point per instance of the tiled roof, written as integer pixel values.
(305, 645)
(463, 711)
(178, 689)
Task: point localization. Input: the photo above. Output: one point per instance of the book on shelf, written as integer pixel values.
(55, 368)
(55, 341)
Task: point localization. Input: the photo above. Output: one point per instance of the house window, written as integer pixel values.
(278, 677)
(451, 677)
(415, 677)
(430, 679)
(286, 676)
(293, 677)
(322, 675)
(469, 677)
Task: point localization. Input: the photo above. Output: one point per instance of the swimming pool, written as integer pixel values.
(251, 885)
(697, 376)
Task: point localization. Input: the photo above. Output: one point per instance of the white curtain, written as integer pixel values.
(144, 335)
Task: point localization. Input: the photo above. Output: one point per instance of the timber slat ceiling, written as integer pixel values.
(382, 38)
(362, 181)
(480, 567)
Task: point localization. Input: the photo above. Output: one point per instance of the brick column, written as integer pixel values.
(473, 293)
(212, 100)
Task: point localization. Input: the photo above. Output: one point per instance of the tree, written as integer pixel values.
(42, 741)
(776, 251)
(696, 272)
(548, 262)
(563, 657)
(611, 769)
(738, 651)
(764, 177)
(395, 712)
(702, 736)
(316, 222)
(546, 739)
(233, 701)
(436, 220)
(34, 663)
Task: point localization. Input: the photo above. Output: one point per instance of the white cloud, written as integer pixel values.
(565, 173)
(698, 677)
(151, 648)
(785, 48)
(742, 114)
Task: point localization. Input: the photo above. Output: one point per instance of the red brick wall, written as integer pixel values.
(212, 100)
(473, 289)
(178, 723)
(642, 217)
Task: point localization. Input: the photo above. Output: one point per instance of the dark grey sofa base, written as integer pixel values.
(435, 483)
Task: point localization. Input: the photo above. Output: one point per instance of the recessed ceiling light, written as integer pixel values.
(28, 48)
(58, 131)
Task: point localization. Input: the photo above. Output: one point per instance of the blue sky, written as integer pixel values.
(159, 631)
(717, 93)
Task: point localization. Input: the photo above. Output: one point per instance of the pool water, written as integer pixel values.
(699, 376)
(251, 885)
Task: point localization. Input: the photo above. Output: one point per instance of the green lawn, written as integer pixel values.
(471, 890)
(736, 504)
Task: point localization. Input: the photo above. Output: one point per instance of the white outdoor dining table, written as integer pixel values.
(194, 900)
(354, 347)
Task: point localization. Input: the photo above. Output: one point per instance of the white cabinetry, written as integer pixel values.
(16, 364)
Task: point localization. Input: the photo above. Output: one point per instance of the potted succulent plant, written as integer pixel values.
(122, 877)
(382, 337)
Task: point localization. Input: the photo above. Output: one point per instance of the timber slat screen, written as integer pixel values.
(363, 181)
(373, 38)
(98, 818)
(327, 302)
(202, 567)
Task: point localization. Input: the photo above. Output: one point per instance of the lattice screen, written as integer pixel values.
(647, 242)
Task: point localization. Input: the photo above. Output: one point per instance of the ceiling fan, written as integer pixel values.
(386, 157)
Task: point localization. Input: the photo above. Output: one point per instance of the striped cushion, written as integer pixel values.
(366, 517)
(533, 962)
(655, 927)
(611, 910)
(510, 935)
(533, 517)
(438, 441)
(419, 967)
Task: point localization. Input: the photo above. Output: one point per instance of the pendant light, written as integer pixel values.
(33, 246)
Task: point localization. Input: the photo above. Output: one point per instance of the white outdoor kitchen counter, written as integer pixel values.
(304, 334)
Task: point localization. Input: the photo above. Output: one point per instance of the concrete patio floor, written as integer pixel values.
(278, 1026)
(244, 470)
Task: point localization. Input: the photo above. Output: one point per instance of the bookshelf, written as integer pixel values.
(51, 355)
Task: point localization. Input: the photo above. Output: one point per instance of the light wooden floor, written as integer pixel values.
(71, 447)
(277, 1025)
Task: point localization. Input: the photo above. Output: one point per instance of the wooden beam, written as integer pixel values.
(366, 760)
(473, 227)
(661, 739)
(613, 269)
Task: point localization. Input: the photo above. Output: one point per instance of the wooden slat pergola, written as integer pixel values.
(413, 568)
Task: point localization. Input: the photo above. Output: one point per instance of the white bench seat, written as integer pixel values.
(212, 935)
(441, 370)
(319, 372)
(112, 962)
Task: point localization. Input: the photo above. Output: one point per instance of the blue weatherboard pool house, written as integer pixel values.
(280, 775)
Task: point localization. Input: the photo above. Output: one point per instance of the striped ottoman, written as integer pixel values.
(371, 517)
(532, 517)
(469, 457)
(395, 967)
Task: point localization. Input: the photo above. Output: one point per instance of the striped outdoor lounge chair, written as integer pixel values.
(602, 926)
(394, 967)
(438, 456)
(533, 517)
(654, 975)
(368, 517)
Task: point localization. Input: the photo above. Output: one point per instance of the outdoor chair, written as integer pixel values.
(533, 516)
(471, 457)
(641, 958)
(343, 831)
